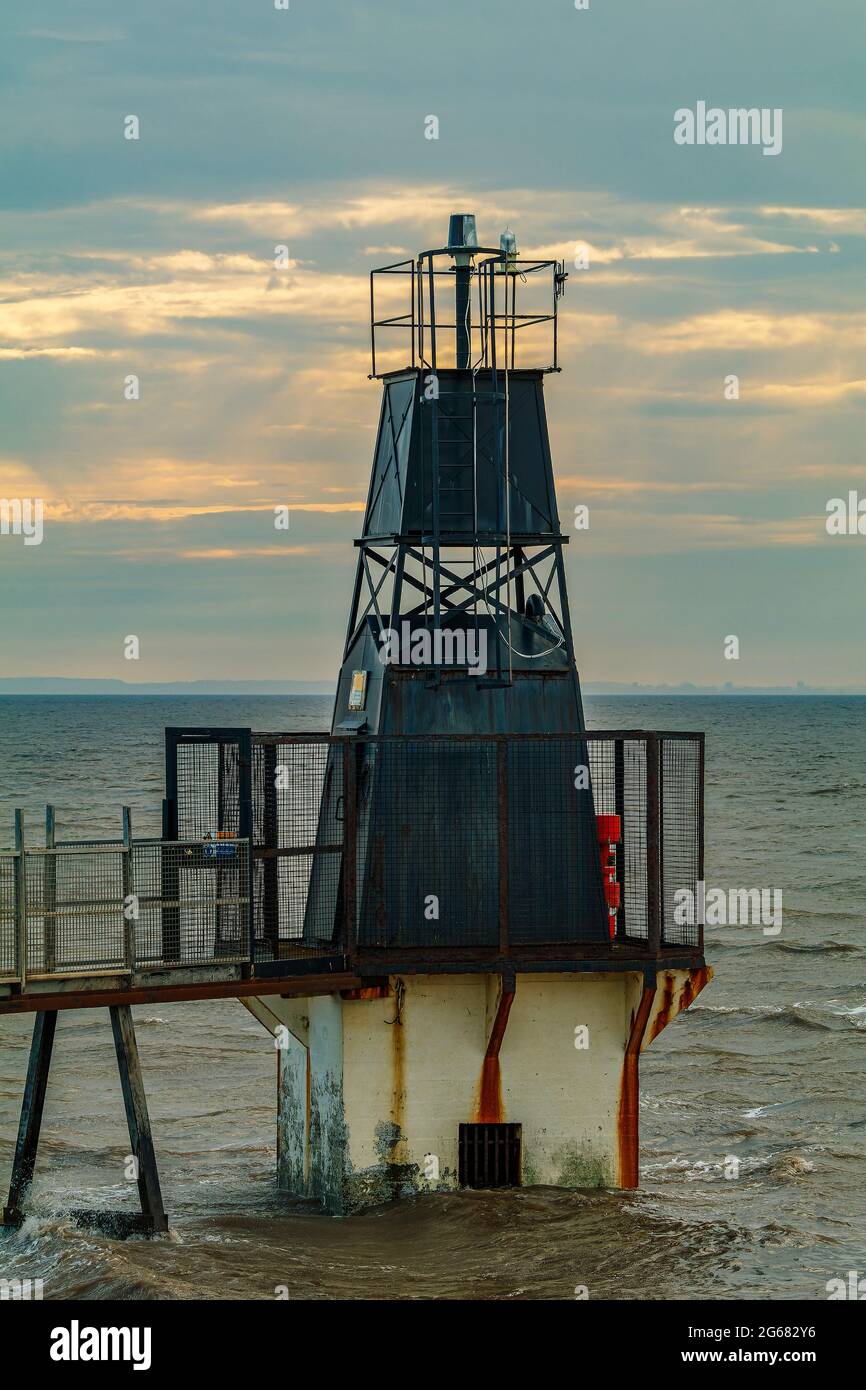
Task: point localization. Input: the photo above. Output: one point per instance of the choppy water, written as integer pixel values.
(767, 1066)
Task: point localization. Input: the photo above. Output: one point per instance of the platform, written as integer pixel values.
(272, 878)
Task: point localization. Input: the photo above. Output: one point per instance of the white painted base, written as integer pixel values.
(372, 1091)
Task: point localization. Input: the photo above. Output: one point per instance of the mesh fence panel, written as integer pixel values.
(74, 900)
(554, 868)
(433, 817)
(681, 846)
(634, 916)
(96, 908)
(208, 789)
(619, 789)
(8, 921)
(298, 820)
(192, 902)
(428, 856)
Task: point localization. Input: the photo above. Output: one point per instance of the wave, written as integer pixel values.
(785, 1165)
(758, 1010)
(793, 1018)
(819, 949)
(802, 1015)
(834, 790)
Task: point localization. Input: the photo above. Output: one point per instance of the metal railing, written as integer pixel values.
(123, 906)
(300, 852)
(445, 845)
(414, 303)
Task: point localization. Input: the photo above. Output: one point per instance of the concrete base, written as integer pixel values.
(372, 1089)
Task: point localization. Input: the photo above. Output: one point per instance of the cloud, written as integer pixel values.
(168, 295)
(809, 393)
(75, 35)
(636, 531)
(842, 221)
(77, 512)
(255, 390)
(25, 354)
(744, 329)
(264, 552)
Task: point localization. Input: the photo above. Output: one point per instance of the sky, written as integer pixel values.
(305, 127)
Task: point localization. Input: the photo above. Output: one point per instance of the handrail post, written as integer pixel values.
(350, 845)
(699, 809)
(21, 898)
(502, 823)
(169, 887)
(653, 844)
(271, 838)
(619, 849)
(246, 831)
(130, 908)
(49, 892)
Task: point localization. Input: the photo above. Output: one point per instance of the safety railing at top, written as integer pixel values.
(125, 906)
(511, 323)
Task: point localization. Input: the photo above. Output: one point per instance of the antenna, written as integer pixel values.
(462, 245)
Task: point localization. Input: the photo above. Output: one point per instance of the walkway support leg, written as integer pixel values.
(137, 1117)
(32, 1107)
(152, 1217)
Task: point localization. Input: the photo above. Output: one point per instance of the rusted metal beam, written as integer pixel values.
(572, 955)
(286, 985)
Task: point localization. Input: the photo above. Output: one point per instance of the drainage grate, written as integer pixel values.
(489, 1155)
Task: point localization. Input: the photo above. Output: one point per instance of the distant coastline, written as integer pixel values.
(79, 685)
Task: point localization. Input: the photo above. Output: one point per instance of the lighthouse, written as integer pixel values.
(499, 879)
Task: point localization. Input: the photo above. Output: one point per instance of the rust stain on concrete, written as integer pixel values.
(627, 1119)
(674, 999)
(489, 1110)
(677, 998)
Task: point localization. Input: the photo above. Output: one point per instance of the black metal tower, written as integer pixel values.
(459, 621)
(461, 532)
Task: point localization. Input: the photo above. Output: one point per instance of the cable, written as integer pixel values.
(529, 656)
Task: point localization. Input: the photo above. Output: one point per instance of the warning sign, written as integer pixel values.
(218, 844)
